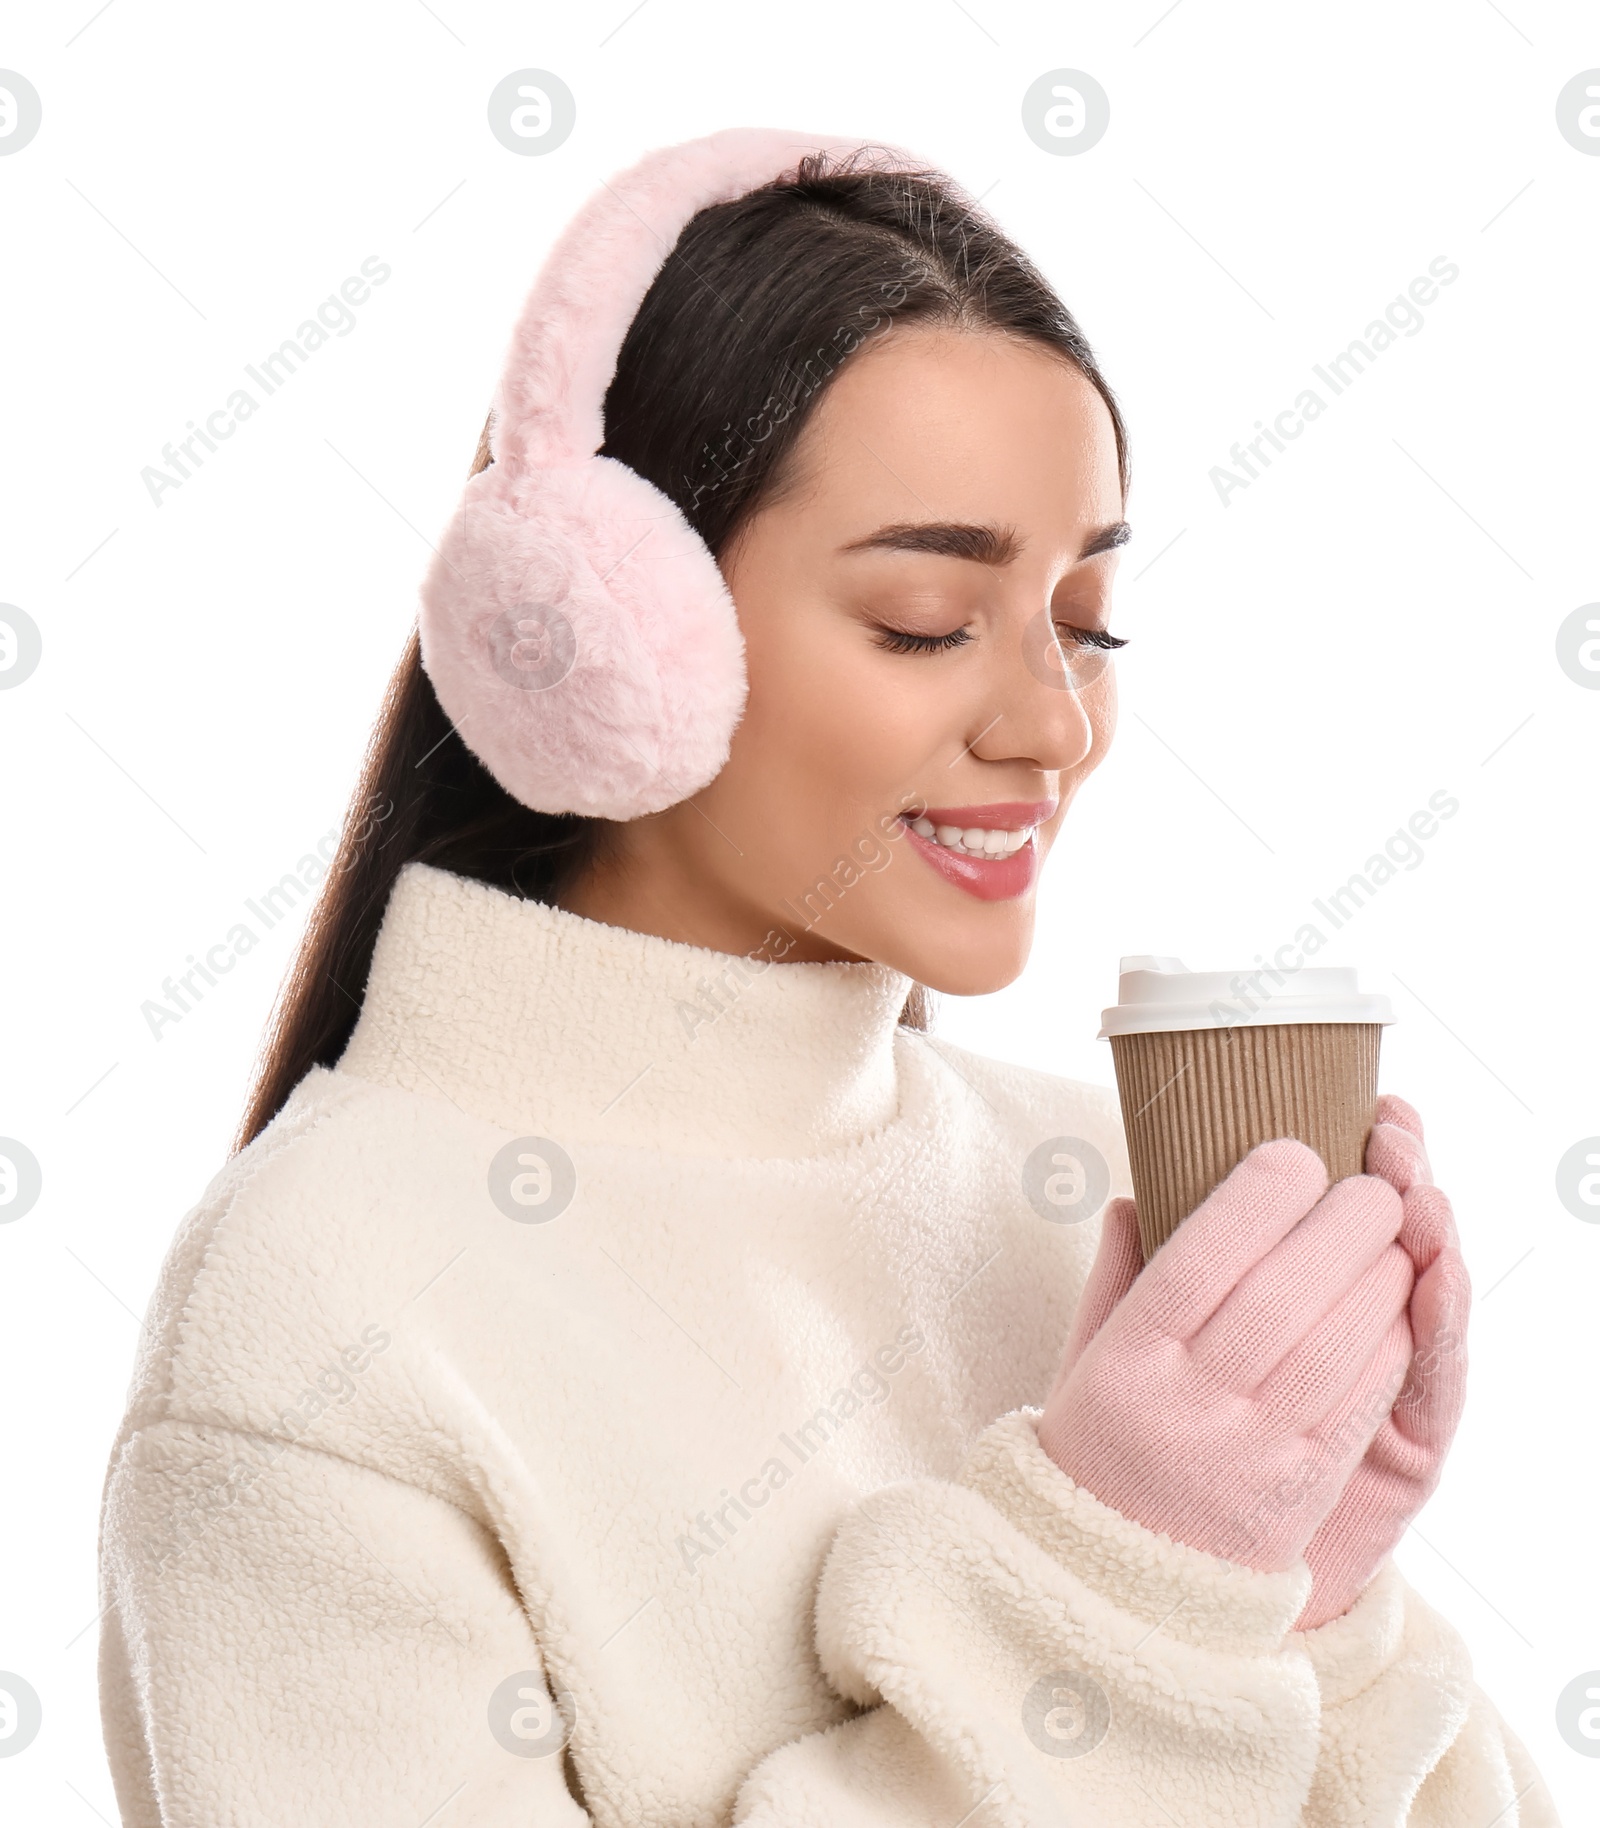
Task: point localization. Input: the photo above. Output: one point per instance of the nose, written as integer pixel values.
(1041, 703)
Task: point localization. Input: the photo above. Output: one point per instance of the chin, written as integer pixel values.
(967, 964)
(969, 977)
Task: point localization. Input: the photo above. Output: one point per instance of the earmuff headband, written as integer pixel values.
(576, 629)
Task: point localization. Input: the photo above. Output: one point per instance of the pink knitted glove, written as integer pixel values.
(1406, 1456)
(1227, 1396)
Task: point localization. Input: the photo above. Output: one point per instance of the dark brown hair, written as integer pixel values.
(751, 315)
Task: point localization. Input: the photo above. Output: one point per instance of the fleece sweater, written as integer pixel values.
(609, 1395)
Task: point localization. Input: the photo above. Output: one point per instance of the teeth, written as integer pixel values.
(973, 840)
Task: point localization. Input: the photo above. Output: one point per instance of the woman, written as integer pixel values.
(602, 1385)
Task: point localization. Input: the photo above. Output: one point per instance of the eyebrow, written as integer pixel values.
(962, 540)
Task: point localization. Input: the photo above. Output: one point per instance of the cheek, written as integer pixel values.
(1103, 715)
(836, 714)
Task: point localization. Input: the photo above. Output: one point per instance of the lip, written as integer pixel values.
(986, 878)
(998, 815)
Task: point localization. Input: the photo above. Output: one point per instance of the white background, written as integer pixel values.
(1372, 620)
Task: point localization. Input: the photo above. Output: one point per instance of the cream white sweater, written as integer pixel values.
(610, 1396)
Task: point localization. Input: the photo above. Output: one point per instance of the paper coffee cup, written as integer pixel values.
(1210, 1063)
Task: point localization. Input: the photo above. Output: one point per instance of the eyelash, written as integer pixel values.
(899, 641)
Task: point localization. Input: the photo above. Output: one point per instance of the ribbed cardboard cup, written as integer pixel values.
(1196, 1100)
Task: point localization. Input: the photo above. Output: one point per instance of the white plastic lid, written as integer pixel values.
(1156, 993)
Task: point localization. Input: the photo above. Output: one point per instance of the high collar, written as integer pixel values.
(546, 1023)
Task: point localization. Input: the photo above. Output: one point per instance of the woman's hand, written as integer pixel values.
(1402, 1465)
(1224, 1394)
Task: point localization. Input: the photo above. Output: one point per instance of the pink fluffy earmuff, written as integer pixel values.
(575, 627)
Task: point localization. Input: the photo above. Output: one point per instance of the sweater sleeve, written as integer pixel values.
(1028, 1656)
(330, 1643)
(290, 1637)
(1407, 1739)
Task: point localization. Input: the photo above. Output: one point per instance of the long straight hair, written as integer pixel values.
(758, 305)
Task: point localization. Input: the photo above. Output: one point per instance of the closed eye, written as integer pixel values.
(901, 641)
(1092, 637)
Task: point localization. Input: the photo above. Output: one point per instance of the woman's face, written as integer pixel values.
(953, 496)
